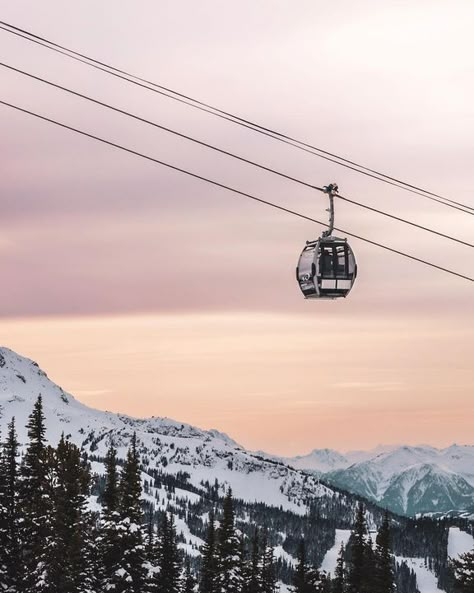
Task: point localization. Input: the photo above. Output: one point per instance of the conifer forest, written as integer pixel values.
(52, 541)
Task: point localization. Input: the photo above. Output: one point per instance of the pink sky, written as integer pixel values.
(103, 254)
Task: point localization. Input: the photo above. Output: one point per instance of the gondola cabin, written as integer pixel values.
(326, 269)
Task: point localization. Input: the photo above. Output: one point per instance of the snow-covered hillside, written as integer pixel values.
(185, 467)
(165, 443)
(407, 480)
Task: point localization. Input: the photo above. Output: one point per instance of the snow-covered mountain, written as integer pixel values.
(166, 444)
(186, 470)
(321, 460)
(407, 480)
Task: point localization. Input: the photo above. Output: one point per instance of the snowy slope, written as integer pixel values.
(459, 542)
(320, 460)
(330, 560)
(426, 580)
(166, 444)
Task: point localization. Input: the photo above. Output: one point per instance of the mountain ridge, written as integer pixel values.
(176, 446)
(407, 479)
(187, 471)
(403, 479)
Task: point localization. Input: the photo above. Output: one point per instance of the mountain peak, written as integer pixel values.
(179, 447)
(22, 378)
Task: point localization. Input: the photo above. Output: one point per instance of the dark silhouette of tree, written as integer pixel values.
(208, 575)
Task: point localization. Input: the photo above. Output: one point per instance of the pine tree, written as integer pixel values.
(35, 502)
(384, 574)
(110, 551)
(306, 579)
(358, 547)
(405, 578)
(3, 521)
(243, 569)
(188, 582)
(300, 579)
(13, 553)
(228, 578)
(370, 581)
(169, 564)
(464, 573)
(110, 497)
(339, 573)
(91, 555)
(150, 545)
(268, 580)
(130, 577)
(253, 578)
(68, 558)
(208, 573)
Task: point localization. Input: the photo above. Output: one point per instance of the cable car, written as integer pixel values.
(327, 267)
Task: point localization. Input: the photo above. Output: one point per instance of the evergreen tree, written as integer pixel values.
(243, 568)
(91, 555)
(130, 577)
(3, 521)
(253, 578)
(370, 582)
(300, 579)
(110, 551)
(405, 579)
(188, 582)
(228, 577)
(110, 497)
(35, 502)
(339, 580)
(306, 579)
(150, 545)
(208, 574)
(358, 546)
(268, 580)
(169, 564)
(12, 550)
(384, 574)
(464, 573)
(68, 561)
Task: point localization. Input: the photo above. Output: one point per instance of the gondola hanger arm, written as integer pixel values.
(330, 190)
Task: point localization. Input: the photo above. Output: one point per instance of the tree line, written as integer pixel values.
(52, 541)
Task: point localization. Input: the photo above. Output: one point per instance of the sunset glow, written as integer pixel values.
(143, 291)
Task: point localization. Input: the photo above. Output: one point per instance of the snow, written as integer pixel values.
(165, 444)
(283, 554)
(427, 581)
(459, 542)
(93, 505)
(392, 459)
(330, 559)
(406, 479)
(322, 460)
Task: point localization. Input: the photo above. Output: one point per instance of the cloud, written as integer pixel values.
(372, 385)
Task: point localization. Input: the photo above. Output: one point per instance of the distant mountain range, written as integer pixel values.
(406, 480)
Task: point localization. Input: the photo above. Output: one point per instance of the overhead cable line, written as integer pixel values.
(170, 93)
(230, 154)
(231, 189)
